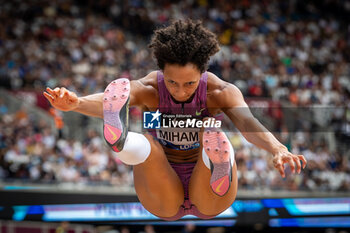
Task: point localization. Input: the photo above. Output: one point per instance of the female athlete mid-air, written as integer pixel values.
(179, 172)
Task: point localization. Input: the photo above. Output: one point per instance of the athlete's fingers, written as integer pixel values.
(56, 91)
(290, 161)
(298, 164)
(50, 91)
(278, 164)
(280, 168)
(63, 92)
(302, 158)
(48, 97)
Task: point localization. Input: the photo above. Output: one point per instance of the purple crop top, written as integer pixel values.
(185, 138)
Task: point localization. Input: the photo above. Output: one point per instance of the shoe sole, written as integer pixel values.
(217, 147)
(115, 113)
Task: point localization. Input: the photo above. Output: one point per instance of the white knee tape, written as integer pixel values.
(136, 149)
(206, 158)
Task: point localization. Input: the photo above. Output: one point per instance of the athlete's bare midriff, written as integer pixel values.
(178, 156)
(147, 89)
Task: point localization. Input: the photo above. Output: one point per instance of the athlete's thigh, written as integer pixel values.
(157, 185)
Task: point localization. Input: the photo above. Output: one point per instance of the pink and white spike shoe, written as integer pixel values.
(116, 113)
(217, 147)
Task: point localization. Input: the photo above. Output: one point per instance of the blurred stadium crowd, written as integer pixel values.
(293, 52)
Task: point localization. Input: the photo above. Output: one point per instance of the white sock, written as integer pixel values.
(136, 149)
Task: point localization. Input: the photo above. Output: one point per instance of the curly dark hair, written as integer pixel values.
(184, 42)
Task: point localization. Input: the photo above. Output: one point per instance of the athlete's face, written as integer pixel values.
(181, 81)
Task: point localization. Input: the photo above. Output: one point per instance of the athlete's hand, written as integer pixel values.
(61, 98)
(284, 156)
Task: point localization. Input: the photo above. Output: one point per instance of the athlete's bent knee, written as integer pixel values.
(136, 149)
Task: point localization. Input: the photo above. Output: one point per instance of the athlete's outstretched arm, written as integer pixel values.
(238, 111)
(91, 105)
(65, 100)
